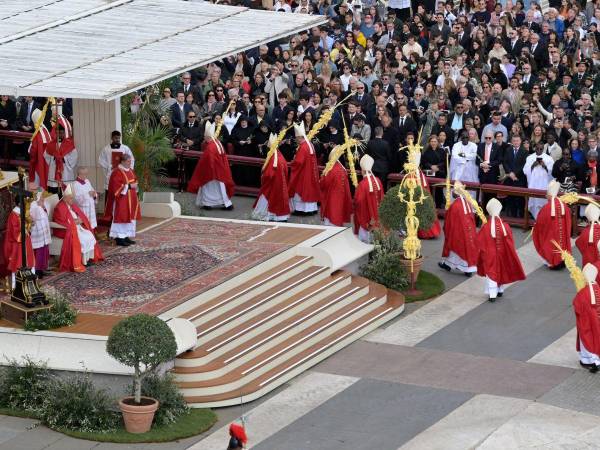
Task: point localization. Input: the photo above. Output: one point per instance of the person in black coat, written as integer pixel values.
(179, 111)
(406, 123)
(513, 163)
(190, 134)
(379, 149)
(8, 113)
(489, 168)
(434, 163)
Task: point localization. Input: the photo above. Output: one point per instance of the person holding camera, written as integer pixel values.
(538, 170)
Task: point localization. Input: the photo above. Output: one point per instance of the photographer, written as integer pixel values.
(538, 170)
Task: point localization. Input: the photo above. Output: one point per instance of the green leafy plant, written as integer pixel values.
(142, 342)
(171, 403)
(384, 263)
(61, 314)
(75, 404)
(24, 386)
(392, 212)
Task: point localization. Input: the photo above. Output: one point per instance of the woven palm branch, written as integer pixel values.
(220, 122)
(40, 121)
(462, 191)
(574, 270)
(273, 148)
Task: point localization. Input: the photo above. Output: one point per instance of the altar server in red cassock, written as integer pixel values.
(336, 199)
(123, 206)
(273, 203)
(61, 159)
(460, 237)
(586, 306)
(79, 243)
(498, 261)
(212, 179)
(367, 198)
(12, 245)
(38, 167)
(587, 241)
(553, 224)
(304, 178)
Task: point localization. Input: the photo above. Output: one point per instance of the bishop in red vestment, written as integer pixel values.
(460, 250)
(61, 159)
(498, 260)
(38, 167)
(212, 180)
(304, 179)
(336, 199)
(587, 241)
(273, 203)
(123, 207)
(586, 306)
(367, 198)
(12, 245)
(79, 243)
(553, 223)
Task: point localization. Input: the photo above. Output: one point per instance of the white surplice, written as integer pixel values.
(105, 160)
(538, 178)
(464, 168)
(85, 201)
(68, 171)
(40, 230)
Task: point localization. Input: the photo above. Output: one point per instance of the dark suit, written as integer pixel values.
(526, 87)
(24, 115)
(380, 150)
(434, 32)
(514, 162)
(392, 136)
(514, 50)
(193, 133)
(540, 55)
(405, 126)
(491, 177)
(176, 118)
(364, 100)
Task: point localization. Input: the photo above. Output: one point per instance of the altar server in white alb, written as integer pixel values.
(110, 156)
(463, 164)
(538, 170)
(86, 196)
(40, 231)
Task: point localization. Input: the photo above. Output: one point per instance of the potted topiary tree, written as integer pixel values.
(142, 342)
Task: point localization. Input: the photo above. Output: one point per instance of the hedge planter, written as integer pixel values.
(412, 275)
(138, 417)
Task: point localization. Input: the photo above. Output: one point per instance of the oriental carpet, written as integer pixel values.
(168, 265)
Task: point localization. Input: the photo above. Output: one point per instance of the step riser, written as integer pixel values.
(230, 324)
(272, 342)
(257, 372)
(304, 366)
(214, 311)
(234, 343)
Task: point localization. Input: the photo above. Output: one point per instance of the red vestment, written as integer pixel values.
(548, 228)
(586, 318)
(126, 207)
(67, 145)
(70, 253)
(37, 163)
(435, 229)
(588, 250)
(304, 178)
(274, 186)
(12, 245)
(212, 165)
(336, 199)
(366, 203)
(460, 232)
(498, 258)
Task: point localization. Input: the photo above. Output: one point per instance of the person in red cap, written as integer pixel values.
(336, 199)
(498, 261)
(273, 203)
(553, 224)
(212, 180)
(61, 158)
(237, 437)
(460, 236)
(303, 189)
(587, 241)
(367, 198)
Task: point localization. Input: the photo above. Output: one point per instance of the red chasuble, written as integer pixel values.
(550, 228)
(12, 244)
(336, 199)
(212, 165)
(70, 253)
(37, 163)
(127, 207)
(274, 186)
(498, 258)
(304, 178)
(589, 250)
(366, 203)
(436, 229)
(460, 232)
(67, 145)
(586, 318)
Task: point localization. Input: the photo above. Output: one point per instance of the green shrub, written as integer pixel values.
(75, 404)
(384, 263)
(61, 314)
(392, 211)
(171, 402)
(25, 386)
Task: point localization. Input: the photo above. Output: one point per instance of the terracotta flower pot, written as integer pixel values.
(414, 274)
(138, 418)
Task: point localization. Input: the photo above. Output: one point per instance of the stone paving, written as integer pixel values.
(456, 372)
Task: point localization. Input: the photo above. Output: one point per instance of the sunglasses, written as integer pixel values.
(191, 117)
(219, 90)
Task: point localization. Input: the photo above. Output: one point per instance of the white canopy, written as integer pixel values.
(103, 49)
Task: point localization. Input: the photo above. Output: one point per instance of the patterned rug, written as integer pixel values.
(169, 264)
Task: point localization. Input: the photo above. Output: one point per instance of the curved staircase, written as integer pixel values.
(265, 331)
